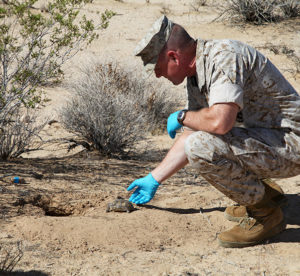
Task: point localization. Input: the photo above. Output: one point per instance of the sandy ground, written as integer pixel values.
(59, 213)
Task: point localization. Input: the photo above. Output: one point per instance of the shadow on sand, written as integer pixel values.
(29, 273)
(292, 217)
(185, 211)
(291, 213)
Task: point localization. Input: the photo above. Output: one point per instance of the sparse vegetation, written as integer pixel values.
(288, 52)
(165, 10)
(259, 12)
(113, 107)
(290, 8)
(197, 4)
(17, 132)
(250, 11)
(33, 47)
(176, 233)
(10, 255)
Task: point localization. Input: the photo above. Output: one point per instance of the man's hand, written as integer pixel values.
(146, 189)
(173, 124)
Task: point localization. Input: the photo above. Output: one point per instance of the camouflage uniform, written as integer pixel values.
(267, 144)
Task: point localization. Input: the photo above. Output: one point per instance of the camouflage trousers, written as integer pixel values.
(236, 162)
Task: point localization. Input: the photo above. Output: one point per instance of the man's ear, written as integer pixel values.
(172, 55)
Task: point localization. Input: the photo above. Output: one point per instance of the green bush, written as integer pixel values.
(33, 48)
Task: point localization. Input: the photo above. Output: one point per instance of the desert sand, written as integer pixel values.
(59, 213)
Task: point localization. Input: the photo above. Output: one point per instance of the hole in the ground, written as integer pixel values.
(61, 204)
(57, 213)
(51, 207)
(48, 205)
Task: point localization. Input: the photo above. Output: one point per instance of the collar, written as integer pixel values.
(200, 63)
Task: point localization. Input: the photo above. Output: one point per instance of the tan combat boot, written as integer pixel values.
(236, 213)
(264, 221)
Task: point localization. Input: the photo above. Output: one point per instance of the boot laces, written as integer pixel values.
(247, 222)
(250, 220)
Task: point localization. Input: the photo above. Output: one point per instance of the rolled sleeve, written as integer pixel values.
(226, 93)
(228, 74)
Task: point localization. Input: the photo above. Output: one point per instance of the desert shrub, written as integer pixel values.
(10, 255)
(17, 132)
(113, 107)
(33, 48)
(251, 11)
(259, 11)
(290, 8)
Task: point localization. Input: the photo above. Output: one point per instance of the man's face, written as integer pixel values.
(169, 65)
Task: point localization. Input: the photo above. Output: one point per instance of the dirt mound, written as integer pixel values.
(65, 230)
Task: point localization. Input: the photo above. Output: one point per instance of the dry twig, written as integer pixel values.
(10, 255)
(206, 217)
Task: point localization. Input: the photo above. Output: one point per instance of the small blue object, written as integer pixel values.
(173, 125)
(16, 179)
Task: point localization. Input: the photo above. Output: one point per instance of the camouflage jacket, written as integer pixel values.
(230, 71)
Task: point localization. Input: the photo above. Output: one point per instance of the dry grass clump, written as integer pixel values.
(290, 8)
(288, 52)
(197, 4)
(113, 107)
(165, 10)
(259, 12)
(251, 11)
(10, 255)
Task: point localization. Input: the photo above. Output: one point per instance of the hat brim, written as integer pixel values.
(151, 45)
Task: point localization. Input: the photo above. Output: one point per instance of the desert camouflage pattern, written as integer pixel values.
(267, 144)
(236, 162)
(152, 44)
(230, 71)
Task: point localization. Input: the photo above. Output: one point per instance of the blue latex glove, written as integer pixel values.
(146, 189)
(173, 124)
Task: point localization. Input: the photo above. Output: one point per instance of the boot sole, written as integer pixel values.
(275, 230)
(281, 200)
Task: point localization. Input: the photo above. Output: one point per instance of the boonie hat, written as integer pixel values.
(151, 45)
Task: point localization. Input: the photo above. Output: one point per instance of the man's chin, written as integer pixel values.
(177, 82)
